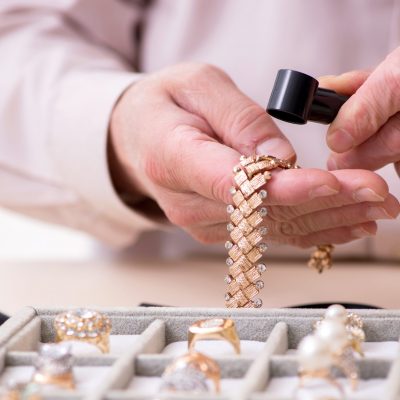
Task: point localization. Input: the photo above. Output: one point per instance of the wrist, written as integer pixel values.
(121, 171)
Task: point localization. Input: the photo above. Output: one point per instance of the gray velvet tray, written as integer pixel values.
(144, 333)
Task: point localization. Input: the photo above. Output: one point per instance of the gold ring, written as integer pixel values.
(214, 328)
(85, 326)
(189, 373)
(53, 366)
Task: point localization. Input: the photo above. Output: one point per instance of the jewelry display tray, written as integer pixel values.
(141, 335)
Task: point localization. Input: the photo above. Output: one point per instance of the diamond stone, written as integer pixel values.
(232, 190)
(212, 323)
(54, 359)
(230, 227)
(261, 268)
(187, 379)
(263, 230)
(259, 285)
(228, 245)
(263, 211)
(257, 303)
(84, 313)
(263, 247)
(228, 279)
(230, 209)
(229, 261)
(236, 169)
(263, 194)
(227, 297)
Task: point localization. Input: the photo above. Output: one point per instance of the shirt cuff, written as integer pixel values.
(79, 130)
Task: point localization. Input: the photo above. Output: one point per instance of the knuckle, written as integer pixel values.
(365, 113)
(390, 137)
(282, 213)
(248, 116)
(391, 73)
(219, 188)
(202, 73)
(298, 227)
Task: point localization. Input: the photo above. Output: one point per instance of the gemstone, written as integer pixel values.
(230, 209)
(229, 261)
(263, 230)
(236, 169)
(84, 313)
(227, 297)
(263, 194)
(259, 285)
(212, 323)
(263, 212)
(188, 379)
(261, 268)
(228, 279)
(232, 190)
(54, 359)
(230, 227)
(228, 245)
(263, 247)
(257, 303)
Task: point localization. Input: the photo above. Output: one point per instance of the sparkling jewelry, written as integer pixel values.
(352, 322)
(315, 361)
(189, 373)
(84, 325)
(246, 244)
(214, 328)
(53, 366)
(336, 335)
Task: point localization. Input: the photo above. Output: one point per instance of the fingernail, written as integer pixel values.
(340, 141)
(360, 232)
(322, 191)
(276, 147)
(366, 194)
(331, 164)
(374, 213)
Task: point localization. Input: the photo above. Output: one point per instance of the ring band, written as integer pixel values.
(85, 326)
(53, 366)
(189, 373)
(214, 328)
(246, 245)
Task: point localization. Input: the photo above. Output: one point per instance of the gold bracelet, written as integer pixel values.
(246, 245)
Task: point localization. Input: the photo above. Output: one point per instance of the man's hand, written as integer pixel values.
(176, 136)
(366, 131)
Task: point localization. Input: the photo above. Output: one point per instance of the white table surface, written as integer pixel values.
(192, 282)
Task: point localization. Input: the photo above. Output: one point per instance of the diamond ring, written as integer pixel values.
(189, 373)
(214, 328)
(85, 326)
(53, 366)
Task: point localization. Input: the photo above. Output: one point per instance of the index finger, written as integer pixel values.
(369, 108)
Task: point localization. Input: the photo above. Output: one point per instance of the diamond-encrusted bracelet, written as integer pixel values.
(246, 246)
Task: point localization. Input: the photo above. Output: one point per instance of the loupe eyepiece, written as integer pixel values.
(296, 98)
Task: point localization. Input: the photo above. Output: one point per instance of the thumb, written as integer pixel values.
(238, 121)
(346, 83)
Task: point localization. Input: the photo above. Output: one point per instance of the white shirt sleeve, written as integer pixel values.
(63, 66)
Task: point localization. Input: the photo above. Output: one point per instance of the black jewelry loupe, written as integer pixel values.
(296, 98)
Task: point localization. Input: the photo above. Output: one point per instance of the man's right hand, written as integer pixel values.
(177, 134)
